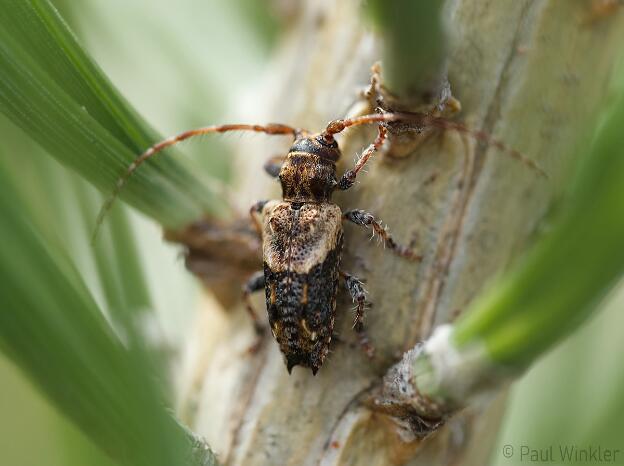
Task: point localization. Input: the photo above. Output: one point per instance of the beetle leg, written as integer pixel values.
(348, 179)
(254, 210)
(363, 218)
(255, 283)
(358, 294)
(274, 165)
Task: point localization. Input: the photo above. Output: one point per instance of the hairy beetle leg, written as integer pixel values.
(358, 294)
(365, 219)
(255, 283)
(348, 179)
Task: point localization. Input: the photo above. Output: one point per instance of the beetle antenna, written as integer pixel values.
(423, 120)
(271, 129)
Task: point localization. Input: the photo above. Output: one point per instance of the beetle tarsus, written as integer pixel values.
(358, 294)
(365, 219)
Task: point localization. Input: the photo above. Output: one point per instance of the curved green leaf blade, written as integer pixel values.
(52, 328)
(52, 90)
(568, 272)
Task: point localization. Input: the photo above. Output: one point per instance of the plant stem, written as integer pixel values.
(414, 46)
(546, 296)
(559, 284)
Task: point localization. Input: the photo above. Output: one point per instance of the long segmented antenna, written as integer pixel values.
(423, 120)
(420, 120)
(271, 129)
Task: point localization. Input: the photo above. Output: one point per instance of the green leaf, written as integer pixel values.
(568, 272)
(61, 205)
(588, 410)
(51, 327)
(52, 90)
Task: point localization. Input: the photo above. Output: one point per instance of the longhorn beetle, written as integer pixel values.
(302, 234)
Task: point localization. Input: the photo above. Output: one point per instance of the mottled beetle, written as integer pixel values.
(302, 234)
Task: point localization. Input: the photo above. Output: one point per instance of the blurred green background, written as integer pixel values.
(573, 396)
